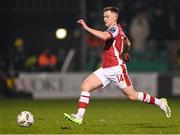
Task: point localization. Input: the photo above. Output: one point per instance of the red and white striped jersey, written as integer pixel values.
(113, 47)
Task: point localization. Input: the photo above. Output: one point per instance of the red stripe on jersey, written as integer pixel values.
(126, 77)
(152, 100)
(82, 105)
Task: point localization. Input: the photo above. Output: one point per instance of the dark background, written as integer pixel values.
(36, 21)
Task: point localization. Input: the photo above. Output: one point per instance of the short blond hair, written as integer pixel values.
(112, 9)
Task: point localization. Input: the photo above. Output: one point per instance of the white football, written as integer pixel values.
(25, 119)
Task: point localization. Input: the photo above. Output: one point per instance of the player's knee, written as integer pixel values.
(84, 88)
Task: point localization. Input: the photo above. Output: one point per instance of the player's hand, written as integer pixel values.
(126, 57)
(83, 24)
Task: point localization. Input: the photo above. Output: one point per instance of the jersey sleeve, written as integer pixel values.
(113, 31)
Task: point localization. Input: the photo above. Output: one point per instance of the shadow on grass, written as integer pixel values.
(150, 125)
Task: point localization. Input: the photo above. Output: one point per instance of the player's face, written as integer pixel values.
(110, 18)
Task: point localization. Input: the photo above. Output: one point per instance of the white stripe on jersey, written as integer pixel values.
(122, 45)
(116, 52)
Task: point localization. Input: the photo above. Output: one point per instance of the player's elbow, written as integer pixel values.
(129, 45)
(105, 38)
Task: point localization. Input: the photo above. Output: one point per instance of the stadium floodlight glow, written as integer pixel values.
(61, 33)
(19, 42)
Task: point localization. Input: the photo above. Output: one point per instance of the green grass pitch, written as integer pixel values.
(107, 116)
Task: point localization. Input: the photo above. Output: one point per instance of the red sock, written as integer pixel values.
(144, 97)
(83, 103)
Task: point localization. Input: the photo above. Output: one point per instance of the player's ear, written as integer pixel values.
(116, 16)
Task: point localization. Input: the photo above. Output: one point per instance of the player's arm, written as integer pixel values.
(127, 49)
(100, 34)
(127, 45)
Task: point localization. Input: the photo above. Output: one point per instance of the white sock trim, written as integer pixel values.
(84, 99)
(81, 112)
(85, 93)
(140, 96)
(158, 102)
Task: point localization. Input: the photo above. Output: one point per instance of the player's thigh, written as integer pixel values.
(120, 77)
(92, 82)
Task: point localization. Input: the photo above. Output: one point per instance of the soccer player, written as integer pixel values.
(113, 70)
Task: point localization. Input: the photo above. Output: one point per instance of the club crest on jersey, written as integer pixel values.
(112, 30)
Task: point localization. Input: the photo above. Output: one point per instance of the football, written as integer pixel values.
(25, 119)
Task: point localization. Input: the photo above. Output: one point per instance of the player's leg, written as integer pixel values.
(145, 97)
(132, 94)
(92, 82)
(89, 84)
(123, 81)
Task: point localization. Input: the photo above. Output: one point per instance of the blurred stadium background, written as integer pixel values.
(44, 54)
